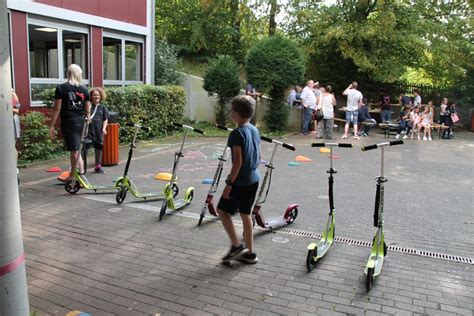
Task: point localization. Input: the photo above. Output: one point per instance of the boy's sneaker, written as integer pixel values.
(250, 258)
(406, 136)
(234, 253)
(430, 139)
(424, 138)
(419, 137)
(99, 170)
(398, 136)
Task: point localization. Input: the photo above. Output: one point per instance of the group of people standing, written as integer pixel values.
(318, 104)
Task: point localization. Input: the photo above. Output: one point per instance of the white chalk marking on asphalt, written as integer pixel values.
(142, 206)
(114, 209)
(280, 240)
(120, 162)
(323, 197)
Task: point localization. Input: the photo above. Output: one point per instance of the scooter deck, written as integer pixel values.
(273, 223)
(323, 247)
(151, 195)
(180, 203)
(375, 262)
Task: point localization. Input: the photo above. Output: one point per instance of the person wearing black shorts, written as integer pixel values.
(242, 182)
(71, 104)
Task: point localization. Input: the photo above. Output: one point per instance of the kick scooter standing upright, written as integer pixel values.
(318, 250)
(79, 180)
(208, 204)
(126, 184)
(169, 201)
(379, 248)
(291, 211)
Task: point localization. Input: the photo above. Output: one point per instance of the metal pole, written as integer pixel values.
(13, 286)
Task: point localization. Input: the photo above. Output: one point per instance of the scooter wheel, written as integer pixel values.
(370, 279)
(70, 188)
(311, 259)
(164, 206)
(384, 249)
(175, 189)
(121, 194)
(292, 216)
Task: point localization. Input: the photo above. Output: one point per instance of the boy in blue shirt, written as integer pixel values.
(242, 182)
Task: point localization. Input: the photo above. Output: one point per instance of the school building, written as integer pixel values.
(112, 41)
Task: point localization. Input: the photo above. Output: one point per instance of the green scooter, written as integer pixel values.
(126, 184)
(379, 247)
(79, 180)
(170, 202)
(318, 250)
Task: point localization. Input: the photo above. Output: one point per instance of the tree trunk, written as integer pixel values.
(273, 13)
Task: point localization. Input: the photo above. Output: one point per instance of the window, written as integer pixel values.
(122, 60)
(52, 48)
(112, 59)
(132, 61)
(74, 51)
(43, 51)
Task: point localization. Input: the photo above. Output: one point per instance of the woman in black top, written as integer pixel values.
(71, 103)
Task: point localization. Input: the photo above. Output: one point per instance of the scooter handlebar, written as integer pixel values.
(225, 128)
(396, 142)
(346, 145)
(146, 129)
(266, 139)
(188, 127)
(288, 146)
(392, 143)
(285, 145)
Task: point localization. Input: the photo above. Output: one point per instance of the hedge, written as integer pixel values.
(35, 141)
(156, 107)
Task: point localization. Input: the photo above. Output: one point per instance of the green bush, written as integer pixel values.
(156, 107)
(273, 65)
(222, 78)
(35, 141)
(47, 97)
(166, 64)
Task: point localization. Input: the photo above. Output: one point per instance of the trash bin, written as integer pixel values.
(110, 152)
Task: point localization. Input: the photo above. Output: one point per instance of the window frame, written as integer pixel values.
(60, 26)
(123, 39)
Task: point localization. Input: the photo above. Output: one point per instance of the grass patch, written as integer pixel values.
(192, 67)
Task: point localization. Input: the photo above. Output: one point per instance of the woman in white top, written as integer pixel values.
(327, 102)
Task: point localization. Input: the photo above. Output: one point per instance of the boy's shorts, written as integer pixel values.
(240, 199)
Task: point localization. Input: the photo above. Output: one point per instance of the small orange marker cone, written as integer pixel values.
(163, 176)
(324, 150)
(63, 176)
(303, 159)
(54, 169)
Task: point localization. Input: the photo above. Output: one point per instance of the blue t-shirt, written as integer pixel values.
(248, 138)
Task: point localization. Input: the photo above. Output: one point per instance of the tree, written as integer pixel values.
(273, 65)
(166, 64)
(381, 40)
(222, 79)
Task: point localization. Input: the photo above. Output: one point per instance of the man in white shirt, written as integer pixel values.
(309, 101)
(354, 100)
(417, 100)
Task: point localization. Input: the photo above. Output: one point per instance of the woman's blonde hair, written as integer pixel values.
(74, 75)
(101, 91)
